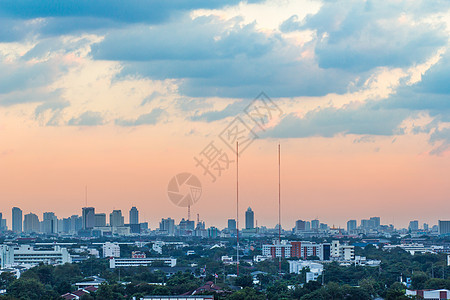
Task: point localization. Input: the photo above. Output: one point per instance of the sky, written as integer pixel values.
(121, 96)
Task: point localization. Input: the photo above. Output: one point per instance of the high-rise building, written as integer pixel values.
(375, 222)
(116, 219)
(49, 223)
(249, 219)
(307, 226)
(365, 224)
(76, 224)
(300, 225)
(134, 215)
(88, 215)
(425, 226)
(30, 223)
(167, 225)
(444, 227)
(2, 228)
(232, 225)
(351, 225)
(16, 219)
(413, 225)
(315, 224)
(100, 220)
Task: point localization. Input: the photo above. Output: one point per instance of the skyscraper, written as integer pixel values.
(1, 223)
(167, 225)
(76, 223)
(116, 218)
(30, 223)
(16, 219)
(315, 224)
(88, 215)
(100, 220)
(375, 222)
(413, 225)
(232, 225)
(49, 223)
(351, 225)
(300, 225)
(444, 227)
(134, 215)
(249, 219)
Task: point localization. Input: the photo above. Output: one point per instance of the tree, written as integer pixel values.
(418, 280)
(6, 278)
(396, 292)
(244, 281)
(246, 294)
(26, 288)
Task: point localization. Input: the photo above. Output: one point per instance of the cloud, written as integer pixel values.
(362, 35)
(232, 109)
(213, 57)
(441, 136)
(146, 119)
(351, 119)
(88, 118)
(71, 16)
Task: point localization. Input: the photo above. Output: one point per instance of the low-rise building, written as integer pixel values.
(25, 254)
(134, 262)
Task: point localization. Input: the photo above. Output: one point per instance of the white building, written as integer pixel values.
(277, 249)
(25, 254)
(342, 252)
(347, 252)
(111, 249)
(315, 269)
(433, 294)
(134, 262)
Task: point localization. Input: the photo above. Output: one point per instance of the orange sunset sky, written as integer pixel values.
(121, 102)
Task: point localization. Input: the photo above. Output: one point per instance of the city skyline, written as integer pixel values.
(126, 102)
(117, 218)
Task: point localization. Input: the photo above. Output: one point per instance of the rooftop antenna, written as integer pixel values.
(198, 218)
(237, 207)
(279, 204)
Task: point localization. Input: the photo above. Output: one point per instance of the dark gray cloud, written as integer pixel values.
(219, 58)
(146, 119)
(75, 16)
(88, 118)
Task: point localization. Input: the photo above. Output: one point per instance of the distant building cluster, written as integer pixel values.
(95, 224)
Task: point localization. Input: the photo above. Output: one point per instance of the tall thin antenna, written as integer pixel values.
(279, 204)
(237, 207)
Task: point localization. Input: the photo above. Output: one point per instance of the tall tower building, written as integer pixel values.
(134, 215)
(249, 219)
(232, 225)
(167, 225)
(116, 218)
(351, 225)
(49, 223)
(100, 220)
(31, 223)
(88, 215)
(16, 219)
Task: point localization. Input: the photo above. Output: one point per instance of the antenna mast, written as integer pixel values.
(237, 207)
(279, 203)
